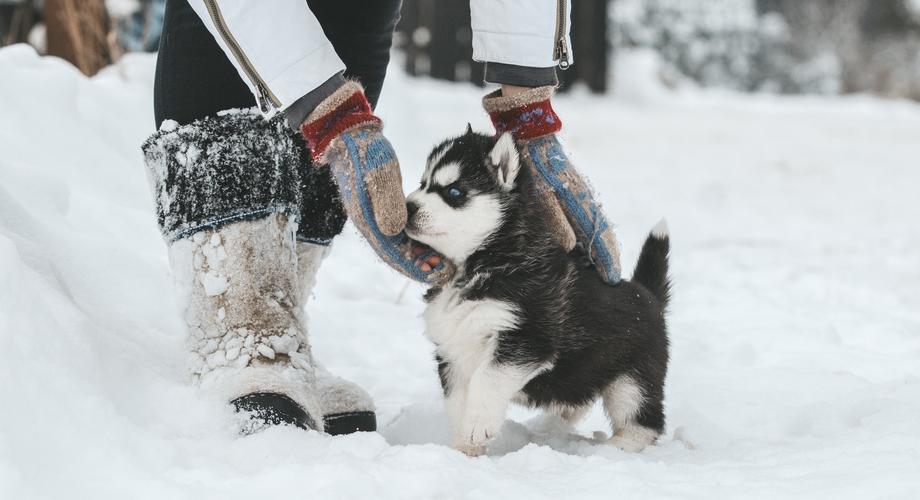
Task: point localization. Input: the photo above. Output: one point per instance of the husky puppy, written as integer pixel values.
(522, 320)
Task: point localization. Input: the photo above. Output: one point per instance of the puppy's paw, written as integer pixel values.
(470, 450)
(633, 440)
(626, 444)
(477, 429)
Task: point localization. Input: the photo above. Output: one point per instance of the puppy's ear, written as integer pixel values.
(504, 157)
(469, 129)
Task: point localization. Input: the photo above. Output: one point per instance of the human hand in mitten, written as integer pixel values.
(567, 199)
(344, 134)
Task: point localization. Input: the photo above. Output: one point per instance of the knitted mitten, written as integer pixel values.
(565, 194)
(343, 133)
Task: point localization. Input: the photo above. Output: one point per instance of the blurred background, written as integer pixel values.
(777, 46)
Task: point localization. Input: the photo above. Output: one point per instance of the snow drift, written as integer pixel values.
(795, 323)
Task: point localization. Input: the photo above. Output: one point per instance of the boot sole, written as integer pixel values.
(347, 423)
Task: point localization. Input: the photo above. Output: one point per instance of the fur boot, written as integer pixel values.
(227, 194)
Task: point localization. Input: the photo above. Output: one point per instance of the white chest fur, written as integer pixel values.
(465, 330)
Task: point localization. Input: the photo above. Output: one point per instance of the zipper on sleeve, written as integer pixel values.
(266, 99)
(561, 46)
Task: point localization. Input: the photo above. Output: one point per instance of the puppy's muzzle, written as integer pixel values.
(412, 224)
(411, 208)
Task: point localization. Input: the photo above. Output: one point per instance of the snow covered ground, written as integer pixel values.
(795, 323)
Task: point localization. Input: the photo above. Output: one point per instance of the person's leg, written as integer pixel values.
(210, 173)
(193, 78)
(362, 41)
(284, 57)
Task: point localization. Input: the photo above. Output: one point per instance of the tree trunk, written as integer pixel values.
(78, 31)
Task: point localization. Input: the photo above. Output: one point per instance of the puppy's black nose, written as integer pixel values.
(411, 208)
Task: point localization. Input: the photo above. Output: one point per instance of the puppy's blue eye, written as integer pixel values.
(455, 192)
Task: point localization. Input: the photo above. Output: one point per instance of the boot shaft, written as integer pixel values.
(242, 296)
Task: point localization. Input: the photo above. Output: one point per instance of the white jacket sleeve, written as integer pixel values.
(279, 50)
(531, 33)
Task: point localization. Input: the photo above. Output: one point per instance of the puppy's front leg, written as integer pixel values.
(488, 395)
(454, 387)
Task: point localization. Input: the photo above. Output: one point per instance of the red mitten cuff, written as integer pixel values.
(526, 116)
(345, 108)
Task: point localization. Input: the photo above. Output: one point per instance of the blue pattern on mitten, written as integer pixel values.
(590, 223)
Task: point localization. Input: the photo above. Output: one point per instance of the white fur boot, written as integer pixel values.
(227, 195)
(243, 306)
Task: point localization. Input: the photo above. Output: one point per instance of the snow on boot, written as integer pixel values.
(227, 194)
(347, 407)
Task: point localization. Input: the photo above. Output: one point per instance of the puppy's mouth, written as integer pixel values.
(416, 232)
(413, 232)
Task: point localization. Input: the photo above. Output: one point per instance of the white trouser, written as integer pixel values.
(281, 53)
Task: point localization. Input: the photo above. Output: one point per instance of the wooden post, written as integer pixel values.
(78, 31)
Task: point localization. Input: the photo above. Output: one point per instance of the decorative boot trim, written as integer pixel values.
(322, 215)
(344, 109)
(526, 115)
(218, 170)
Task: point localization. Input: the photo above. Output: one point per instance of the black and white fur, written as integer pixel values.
(522, 320)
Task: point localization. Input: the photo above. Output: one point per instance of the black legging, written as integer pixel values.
(195, 79)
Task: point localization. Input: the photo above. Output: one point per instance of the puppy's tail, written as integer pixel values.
(652, 268)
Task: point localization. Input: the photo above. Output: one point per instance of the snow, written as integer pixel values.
(795, 324)
(914, 6)
(122, 8)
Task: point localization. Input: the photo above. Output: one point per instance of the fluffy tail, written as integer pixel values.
(652, 268)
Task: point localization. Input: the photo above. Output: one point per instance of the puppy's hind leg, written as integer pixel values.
(632, 414)
(572, 414)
